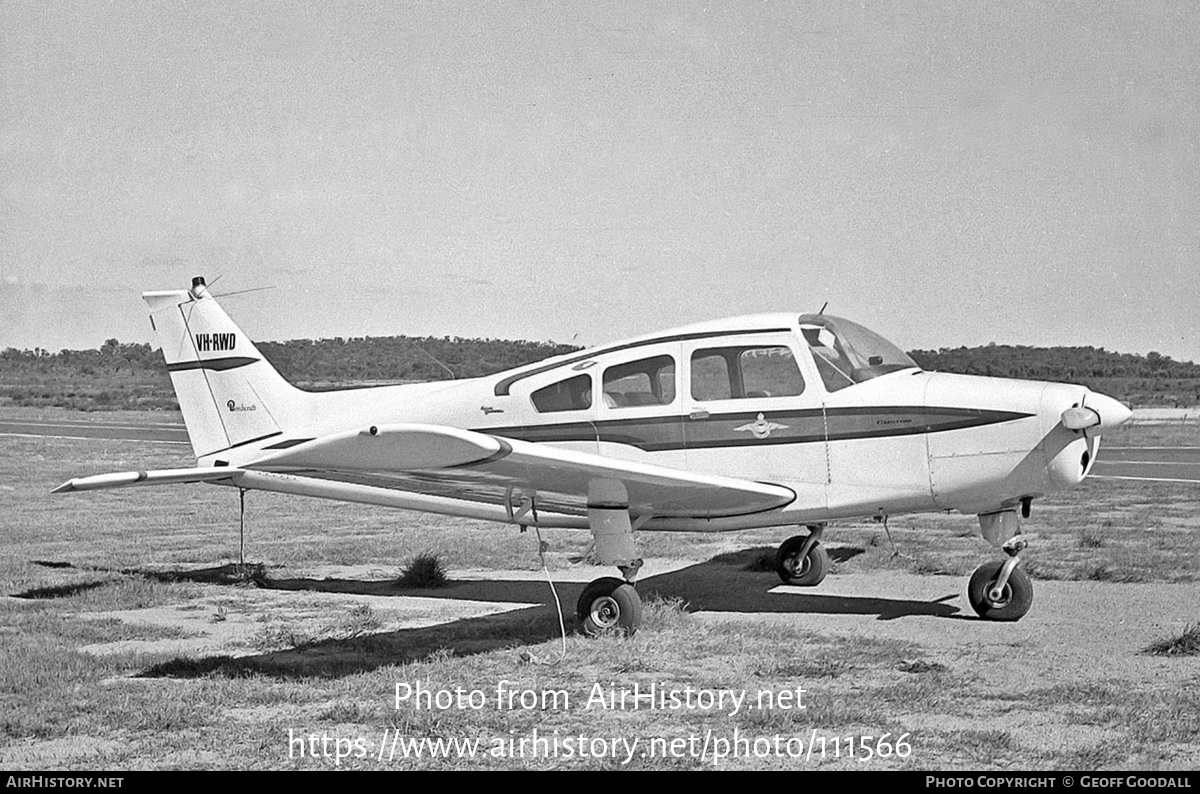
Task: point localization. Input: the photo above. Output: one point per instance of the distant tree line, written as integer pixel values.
(1067, 364)
(400, 358)
(119, 375)
(1152, 379)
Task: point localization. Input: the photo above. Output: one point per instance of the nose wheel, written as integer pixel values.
(801, 560)
(1000, 590)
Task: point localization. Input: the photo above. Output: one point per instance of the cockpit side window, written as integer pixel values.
(732, 373)
(573, 394)
(770, 372)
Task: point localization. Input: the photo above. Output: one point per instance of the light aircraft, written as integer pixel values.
(761, 421)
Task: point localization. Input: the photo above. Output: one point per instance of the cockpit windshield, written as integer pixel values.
(846, 353)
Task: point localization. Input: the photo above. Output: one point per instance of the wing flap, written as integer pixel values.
(649, 488)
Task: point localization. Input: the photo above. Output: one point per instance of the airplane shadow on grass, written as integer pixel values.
(728, 583)
(722, 584)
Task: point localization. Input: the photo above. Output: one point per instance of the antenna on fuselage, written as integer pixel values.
(199, 287)
(440, 364)
(822, 308)
(244, 291)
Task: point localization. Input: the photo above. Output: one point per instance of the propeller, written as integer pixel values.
(1103, 415)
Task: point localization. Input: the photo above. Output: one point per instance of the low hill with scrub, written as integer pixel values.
(121, 376)
(1140, 381)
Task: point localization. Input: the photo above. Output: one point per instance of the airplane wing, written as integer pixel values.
(125, 479)
(468, 465)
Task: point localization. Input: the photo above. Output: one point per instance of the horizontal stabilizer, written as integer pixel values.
(124, 479)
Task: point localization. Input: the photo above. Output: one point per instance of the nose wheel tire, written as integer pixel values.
(609, 604)
(1015, 599)
(807, 572)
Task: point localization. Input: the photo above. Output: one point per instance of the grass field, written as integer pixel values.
(129, 639)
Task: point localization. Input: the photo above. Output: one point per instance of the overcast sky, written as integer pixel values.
(946, 173)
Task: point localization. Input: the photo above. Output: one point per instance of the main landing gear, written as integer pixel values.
(606, 604)
(611, 604)
(801, 560)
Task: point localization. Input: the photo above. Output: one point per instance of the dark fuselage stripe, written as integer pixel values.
(777, 427)
(240, 444)
(217, 364)
(291, 442)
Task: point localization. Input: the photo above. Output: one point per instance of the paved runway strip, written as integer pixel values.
(1159, 464)
(164, 433)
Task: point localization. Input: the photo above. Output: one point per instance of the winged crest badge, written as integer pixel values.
(760, 427)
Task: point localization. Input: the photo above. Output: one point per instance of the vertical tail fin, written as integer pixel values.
(229, 394)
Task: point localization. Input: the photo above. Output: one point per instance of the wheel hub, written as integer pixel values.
(796, 565)
(999, 597)
(606, 612)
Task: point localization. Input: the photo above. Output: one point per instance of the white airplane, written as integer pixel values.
(761, 421)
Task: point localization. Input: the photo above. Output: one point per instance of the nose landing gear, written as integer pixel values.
(1000, 590)
(801, 560)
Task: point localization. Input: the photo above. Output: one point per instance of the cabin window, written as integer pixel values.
(648, 381)
(710, 376)
(745, 373)
(573, 394)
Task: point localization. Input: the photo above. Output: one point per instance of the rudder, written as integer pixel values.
(229, 394)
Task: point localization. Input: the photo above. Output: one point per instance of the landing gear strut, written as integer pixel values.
(801, 560)
(611, 604)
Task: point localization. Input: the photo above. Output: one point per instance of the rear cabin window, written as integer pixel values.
(739, 373)
(573, 394)
(648, 381)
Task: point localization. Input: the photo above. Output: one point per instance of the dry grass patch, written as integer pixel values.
(424, 572)
(1186, 643)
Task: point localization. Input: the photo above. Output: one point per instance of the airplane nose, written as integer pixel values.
(1112, 413)
(1099, 411)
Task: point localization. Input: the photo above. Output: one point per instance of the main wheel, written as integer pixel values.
(808, 572)
(608, 604)
(1014, 601)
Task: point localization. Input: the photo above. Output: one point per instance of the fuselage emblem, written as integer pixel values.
(760, 427)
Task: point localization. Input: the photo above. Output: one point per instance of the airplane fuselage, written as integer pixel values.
(890, 442)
